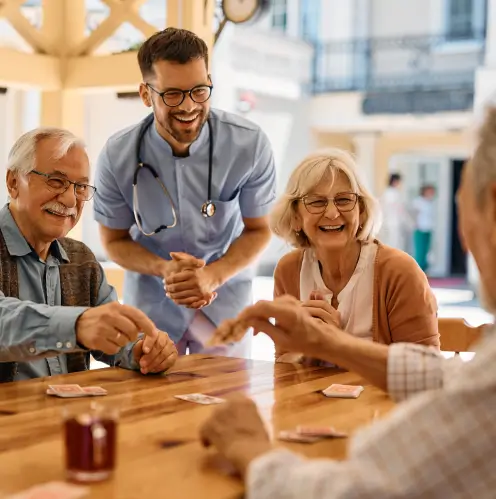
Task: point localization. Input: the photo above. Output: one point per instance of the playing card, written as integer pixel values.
(94, 390)
(66, 391)
(343, 391)
(320, 431)
(52, 490)
(294, 436)
(229, 331)
(74, 391)
(200, 398)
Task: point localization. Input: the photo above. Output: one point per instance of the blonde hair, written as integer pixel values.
(319, 166)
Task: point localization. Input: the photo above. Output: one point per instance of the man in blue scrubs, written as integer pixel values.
(208, 276)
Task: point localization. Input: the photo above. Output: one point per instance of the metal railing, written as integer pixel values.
(432, 62)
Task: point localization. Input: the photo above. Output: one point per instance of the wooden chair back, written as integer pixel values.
(458, 336)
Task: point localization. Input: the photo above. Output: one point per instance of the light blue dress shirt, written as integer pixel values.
(243, 186)
(35, 325)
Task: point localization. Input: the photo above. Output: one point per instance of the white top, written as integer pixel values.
(394, 208)
(424, 214)
(438, 444)
(356, 298)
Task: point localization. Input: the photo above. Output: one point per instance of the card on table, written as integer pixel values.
(200, 398)
(320, 431)
(52, 490)
(94, 390)
(74, 391)
(294, 436)
(343, 391)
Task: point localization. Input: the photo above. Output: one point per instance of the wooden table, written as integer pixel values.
(31, 447)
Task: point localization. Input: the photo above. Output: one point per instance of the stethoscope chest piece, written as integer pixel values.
(208, 209)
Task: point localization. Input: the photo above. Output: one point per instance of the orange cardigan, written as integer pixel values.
(404, 307)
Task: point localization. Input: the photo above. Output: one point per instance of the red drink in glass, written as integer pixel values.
(90, 443)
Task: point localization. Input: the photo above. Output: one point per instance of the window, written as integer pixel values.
(310, 19)
(465, 19)
(279, 14)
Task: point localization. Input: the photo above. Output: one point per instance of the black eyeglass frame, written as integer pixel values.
(67, 184)
(184, 92)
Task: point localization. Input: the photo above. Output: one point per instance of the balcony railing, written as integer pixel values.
(409, 63)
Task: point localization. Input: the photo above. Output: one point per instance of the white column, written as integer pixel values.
(365, 144)
(490, 57)
(224, 95)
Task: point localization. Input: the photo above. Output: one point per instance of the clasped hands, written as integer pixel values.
(108, 328)
(188, 281)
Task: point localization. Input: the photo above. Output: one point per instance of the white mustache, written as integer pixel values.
(60, 208)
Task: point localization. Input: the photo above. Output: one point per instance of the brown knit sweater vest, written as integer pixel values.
(80, 281)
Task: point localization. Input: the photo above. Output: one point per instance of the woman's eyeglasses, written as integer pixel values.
(344, 201)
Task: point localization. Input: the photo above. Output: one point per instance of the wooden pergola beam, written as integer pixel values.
(117, 71)
(11, 11)
(120, 13)
(24, 70)
(71, 67)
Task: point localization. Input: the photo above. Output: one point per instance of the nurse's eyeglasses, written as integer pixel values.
(175, 97)
(59, 185)
(344, 201)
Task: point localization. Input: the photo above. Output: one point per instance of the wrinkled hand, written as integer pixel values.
(319, 308)
(109, 327)
(155, 353)
(238, 433)
(294, 329)
(192, 286)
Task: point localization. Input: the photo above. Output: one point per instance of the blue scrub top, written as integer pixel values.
(243, 186)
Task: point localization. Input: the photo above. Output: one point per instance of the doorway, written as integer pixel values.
(458, 266)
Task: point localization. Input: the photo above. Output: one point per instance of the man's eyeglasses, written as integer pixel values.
(175, 97)
(344, 201)
(59, 185)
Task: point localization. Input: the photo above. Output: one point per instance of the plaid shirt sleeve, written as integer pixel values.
(438, 444)
(412, 369)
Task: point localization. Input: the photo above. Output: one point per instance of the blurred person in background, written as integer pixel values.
(396, 220)
(423, 209)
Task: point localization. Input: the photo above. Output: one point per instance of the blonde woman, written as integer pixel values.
(339, 271)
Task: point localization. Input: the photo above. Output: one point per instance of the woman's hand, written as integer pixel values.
(319, 308)
(238, 433)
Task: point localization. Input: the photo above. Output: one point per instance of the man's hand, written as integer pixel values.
(294, 329)
(237, 432)
(191, 286)
(155, 353)
(109, 327)
(180, 262)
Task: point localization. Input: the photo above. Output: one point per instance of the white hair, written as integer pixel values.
(319, 166)
(22, 156)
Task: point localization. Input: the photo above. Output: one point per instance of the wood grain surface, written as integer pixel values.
(159, 453)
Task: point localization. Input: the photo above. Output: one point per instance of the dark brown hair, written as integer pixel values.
(171, 44)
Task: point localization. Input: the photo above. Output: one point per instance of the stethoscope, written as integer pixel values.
(208, 207)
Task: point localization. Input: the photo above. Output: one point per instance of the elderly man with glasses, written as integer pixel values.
(56, 307)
